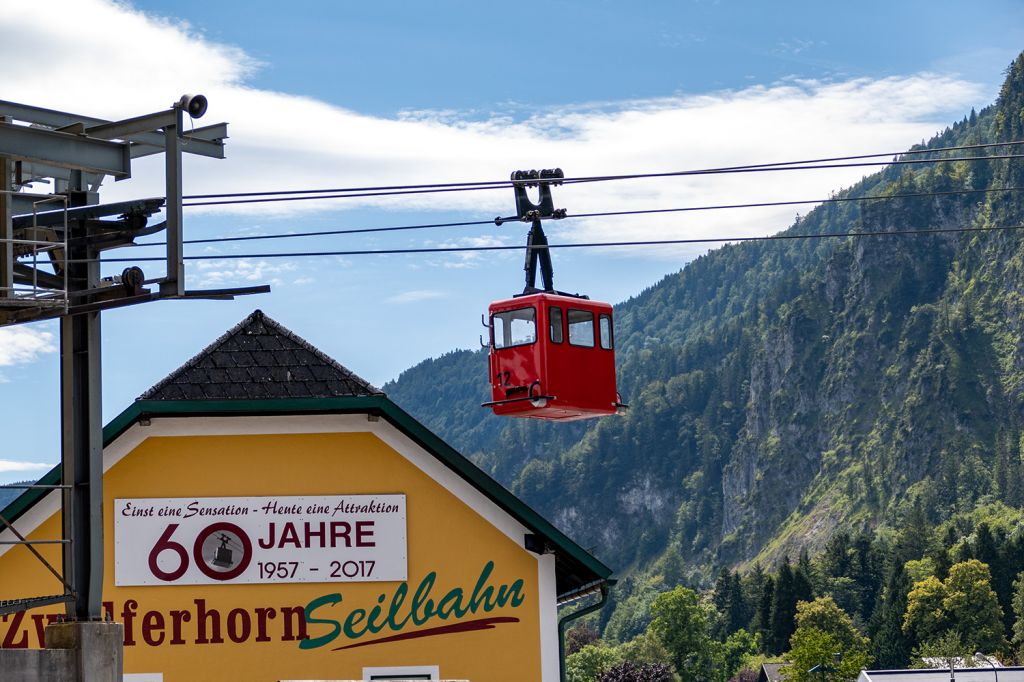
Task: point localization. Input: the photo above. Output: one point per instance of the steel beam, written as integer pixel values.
(65, 149)
(46, 117)
(133, 126)
(6, 230)
(174, 282)
(204, 141)
(82, 435)
(35, 171)
(56, 218)
(8, 606)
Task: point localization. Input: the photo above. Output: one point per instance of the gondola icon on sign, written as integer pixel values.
(224, 551)
(224, 557)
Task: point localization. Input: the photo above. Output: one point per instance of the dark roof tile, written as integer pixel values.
(259, 358)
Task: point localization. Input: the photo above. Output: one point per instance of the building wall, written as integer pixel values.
(458, 544)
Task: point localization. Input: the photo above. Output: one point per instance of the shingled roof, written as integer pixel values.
(258, 359)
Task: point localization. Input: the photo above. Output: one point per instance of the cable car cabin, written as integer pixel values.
(552, 357)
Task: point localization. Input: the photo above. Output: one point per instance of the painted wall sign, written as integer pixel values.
(211, 541)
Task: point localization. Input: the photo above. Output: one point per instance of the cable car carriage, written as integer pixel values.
(552, 354)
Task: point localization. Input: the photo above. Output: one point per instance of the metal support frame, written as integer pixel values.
(537, 252)
(82, 436)
(204, 141)
(77, 152)
(6, 230)
(174, 281)
(66, 150)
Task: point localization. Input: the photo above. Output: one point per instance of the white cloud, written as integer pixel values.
(20, 345)
(226, 272)
(137, 63)
(9, 466)
(416, 296)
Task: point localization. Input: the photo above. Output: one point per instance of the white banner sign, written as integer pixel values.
(213, 540)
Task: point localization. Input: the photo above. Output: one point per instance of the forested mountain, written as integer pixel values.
(7, 495)
(784, 391)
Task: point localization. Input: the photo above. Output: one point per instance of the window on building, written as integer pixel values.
(515, 327)
(581, 328)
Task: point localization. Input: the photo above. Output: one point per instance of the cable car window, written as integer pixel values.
(515, 327)
(605, 327)
(555, 322)
(581, 328)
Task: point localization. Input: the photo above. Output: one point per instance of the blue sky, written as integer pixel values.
(328, 94)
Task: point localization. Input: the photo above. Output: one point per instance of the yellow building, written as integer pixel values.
(268, 515)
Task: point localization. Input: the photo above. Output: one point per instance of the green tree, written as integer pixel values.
(645, 648)
(1018, 613)
(944, 651)
(737, 614)
(681, 622)
(926, 617)
(824, 614)
(964, 603)
(762, 623)
(732, 654)
(889, 643)
(974, 607)
(590, 663)
(823, 631)
(783, 611)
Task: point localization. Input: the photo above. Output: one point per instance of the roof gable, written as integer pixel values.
(258, 359)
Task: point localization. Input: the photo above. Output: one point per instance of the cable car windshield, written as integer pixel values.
(581, 328)
(515, 327)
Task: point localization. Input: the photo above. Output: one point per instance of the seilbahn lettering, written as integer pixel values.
(395, 614)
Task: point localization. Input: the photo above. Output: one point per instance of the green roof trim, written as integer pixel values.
(374, 404)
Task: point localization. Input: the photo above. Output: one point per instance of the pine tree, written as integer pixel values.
(914, 540)
(720, 597)
(1014, 488)
(736, 616)
(987, 548)
(866, 572)
(835, 559)
(783, 609)
(762, 624)
(1001, 470)
(890, 645)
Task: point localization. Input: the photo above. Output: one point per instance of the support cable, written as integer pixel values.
(653, 242)
(489, 184)
(684, 209)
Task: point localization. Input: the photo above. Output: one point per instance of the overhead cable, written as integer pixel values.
(596, 178)
(467, 187)
(650, 211)
(655, 242)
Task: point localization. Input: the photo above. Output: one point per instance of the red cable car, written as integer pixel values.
(552, 354)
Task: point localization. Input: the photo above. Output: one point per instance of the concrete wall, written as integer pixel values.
(75, 652)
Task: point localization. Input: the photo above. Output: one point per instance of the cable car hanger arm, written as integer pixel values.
(537, 252)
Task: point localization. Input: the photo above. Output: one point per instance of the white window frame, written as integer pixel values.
(432, 670)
